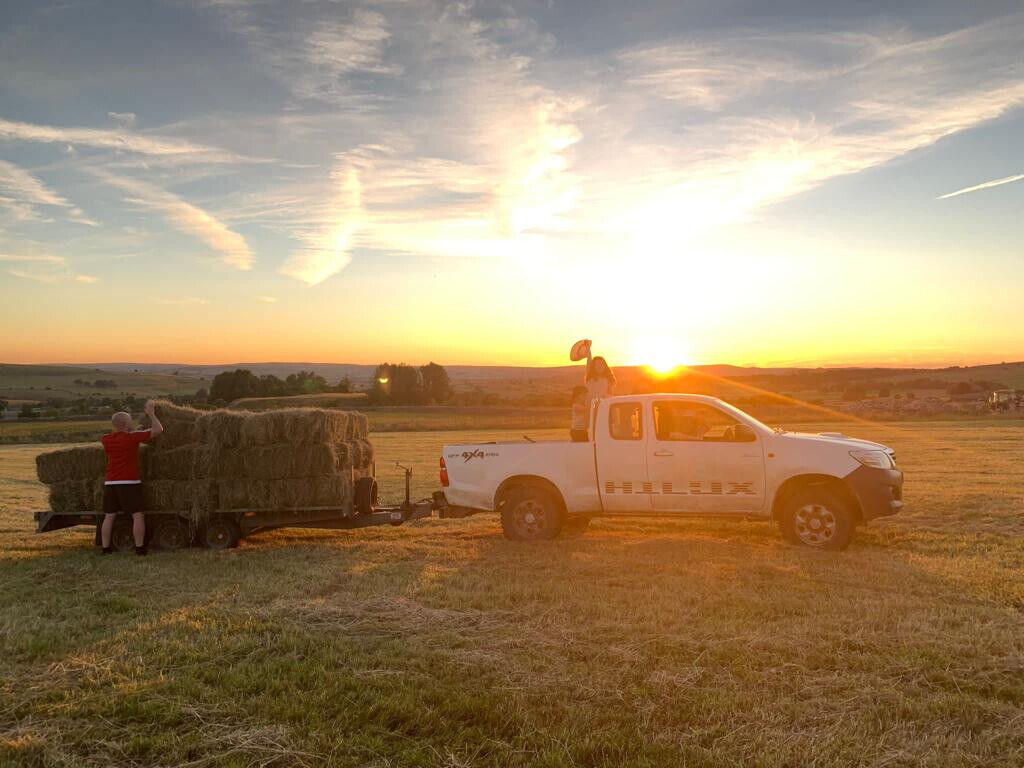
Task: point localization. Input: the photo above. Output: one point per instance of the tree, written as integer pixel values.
(231, 385)
(399, 384)
(437, 388)
(3, 405)
(27, 412)
(202, 395)
(304, 383)
(344, 385)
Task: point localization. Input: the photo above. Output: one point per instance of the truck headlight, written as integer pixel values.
(876, 459)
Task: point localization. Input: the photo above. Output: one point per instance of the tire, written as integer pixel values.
(170, 534)
(817, 517)
(221, 533)
(365, 495)
(531, 513)
(122, 538)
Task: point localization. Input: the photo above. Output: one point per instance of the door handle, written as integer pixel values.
(664, 453)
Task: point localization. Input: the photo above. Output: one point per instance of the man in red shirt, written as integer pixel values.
(122, 490)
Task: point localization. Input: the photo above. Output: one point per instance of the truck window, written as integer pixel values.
(625, 421)
(681, 421)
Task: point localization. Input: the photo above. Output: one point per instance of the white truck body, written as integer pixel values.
(674, 454)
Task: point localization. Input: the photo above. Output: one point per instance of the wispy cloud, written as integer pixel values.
(120, 140)
(267, 299)
(42, 268)
(24, 192)
(232, 247)
(984, 185)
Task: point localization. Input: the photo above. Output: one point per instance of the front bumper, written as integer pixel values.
(879, 491)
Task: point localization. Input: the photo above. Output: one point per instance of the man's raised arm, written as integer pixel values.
(155, 427)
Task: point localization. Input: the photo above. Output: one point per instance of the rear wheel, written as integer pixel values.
(531, 513)
(170, 535)
(221, 533)
(365, 495)
(818, 517)
(122, 538)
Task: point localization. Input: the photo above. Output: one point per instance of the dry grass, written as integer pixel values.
(640, 643)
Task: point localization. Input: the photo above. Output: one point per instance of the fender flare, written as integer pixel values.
(520, 480)
(811, 479)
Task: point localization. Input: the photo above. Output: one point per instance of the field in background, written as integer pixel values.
(322, 400)
(42, 382)
(640, 643)
(385, 419)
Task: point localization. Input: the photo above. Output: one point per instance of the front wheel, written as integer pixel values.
(531, 514)
(818, 518)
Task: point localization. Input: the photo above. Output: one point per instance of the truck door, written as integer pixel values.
(622, 457)
(701, 460)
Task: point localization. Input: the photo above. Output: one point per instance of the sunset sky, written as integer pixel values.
(484, 183)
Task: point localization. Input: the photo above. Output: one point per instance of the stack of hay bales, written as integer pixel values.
(227, 460)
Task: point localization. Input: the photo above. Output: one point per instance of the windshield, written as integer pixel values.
(743, 416)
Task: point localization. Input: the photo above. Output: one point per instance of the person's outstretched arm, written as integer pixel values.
(155, 427)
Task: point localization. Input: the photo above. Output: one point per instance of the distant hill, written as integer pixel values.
(40, 382)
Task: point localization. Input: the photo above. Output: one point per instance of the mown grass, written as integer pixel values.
(640, 643)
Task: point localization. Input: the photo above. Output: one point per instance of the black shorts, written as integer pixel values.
(118, 499)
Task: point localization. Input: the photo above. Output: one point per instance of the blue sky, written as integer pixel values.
(484, 182)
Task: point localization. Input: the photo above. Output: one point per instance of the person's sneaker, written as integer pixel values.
(107, 551)
(143, 550)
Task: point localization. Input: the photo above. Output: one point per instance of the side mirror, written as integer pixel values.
(742, 433)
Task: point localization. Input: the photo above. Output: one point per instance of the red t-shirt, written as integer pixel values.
(123, 455)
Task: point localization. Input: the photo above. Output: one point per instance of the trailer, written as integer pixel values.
(223, 529)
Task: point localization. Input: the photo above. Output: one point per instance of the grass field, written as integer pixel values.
(385, 419)
(639, 643)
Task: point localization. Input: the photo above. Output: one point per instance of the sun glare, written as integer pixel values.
(661, 355)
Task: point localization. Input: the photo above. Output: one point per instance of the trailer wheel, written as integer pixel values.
(819, 518)
(170, 535)
(366, 495)
(122, 538)
(531, 513)
(221, 533)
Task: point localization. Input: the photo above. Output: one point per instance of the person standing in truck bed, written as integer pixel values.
(122, 487)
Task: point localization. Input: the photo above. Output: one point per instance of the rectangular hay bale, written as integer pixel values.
(293, 493)
(80, 463)
(69, 496)
(197, 497)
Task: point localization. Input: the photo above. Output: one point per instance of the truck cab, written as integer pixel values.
(679, 455)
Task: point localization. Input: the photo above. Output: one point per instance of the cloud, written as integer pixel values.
(232, 247)
(267, 299)
(985, 185)
(121, 140)
(42, 268)
(24, 192)
(125, 119)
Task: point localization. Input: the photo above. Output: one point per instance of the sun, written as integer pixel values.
(662, 355)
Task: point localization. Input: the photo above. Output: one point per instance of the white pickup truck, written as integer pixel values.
(677, 455)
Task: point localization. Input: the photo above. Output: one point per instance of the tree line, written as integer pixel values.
(392, 384)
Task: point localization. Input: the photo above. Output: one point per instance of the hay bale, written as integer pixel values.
(220, 428)
(359, 425)
(183, 463)
(333, 491)
(80, 463)
(179, 423)
(197, 497)
(69, 496)
(279, 462)
(296, 426)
